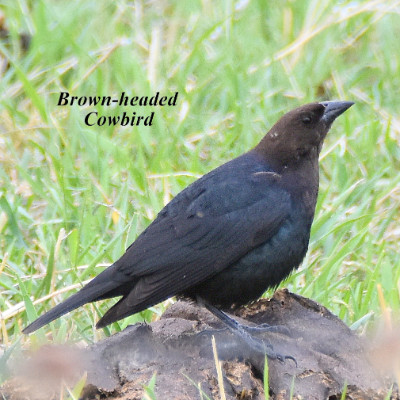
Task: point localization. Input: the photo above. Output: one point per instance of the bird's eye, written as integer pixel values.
(306, 119)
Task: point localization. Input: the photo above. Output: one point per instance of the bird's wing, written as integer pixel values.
(203, 231)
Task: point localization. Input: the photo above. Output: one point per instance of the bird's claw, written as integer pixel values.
(282, 358)
(291, 358)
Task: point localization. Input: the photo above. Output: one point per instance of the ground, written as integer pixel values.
(174, 355)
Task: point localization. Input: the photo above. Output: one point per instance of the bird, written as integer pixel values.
(230, 235)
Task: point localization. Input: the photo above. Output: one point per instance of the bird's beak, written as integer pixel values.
(333, 109)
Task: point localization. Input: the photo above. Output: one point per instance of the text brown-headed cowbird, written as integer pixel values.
(230, 235)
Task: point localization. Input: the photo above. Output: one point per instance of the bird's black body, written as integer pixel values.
(228, 236)
(264, 267)
(282, 247)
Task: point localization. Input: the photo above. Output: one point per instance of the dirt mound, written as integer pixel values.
(176, 352)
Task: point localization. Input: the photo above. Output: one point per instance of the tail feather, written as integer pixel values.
(122, 309)
(95, 289)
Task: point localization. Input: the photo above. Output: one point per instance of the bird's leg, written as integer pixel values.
(242, 332)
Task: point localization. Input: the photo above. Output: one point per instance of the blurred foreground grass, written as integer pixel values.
(74, 197)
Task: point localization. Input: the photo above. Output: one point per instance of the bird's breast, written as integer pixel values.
(272, 261)
(261, 268)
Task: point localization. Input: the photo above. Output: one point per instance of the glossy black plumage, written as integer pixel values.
(228, 236)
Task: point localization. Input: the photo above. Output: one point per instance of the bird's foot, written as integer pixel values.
(243, 333)
(262, 346)
(267, 328)
(280, 357)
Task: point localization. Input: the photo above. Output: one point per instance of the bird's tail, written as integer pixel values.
(95, 289)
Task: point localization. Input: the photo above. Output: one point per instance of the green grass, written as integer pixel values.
(74, 197)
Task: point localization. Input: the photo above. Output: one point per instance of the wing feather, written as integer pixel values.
(178, 252)
(179, 262)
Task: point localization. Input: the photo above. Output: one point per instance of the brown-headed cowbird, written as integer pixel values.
(228, 236)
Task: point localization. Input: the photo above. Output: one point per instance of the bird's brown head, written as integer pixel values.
(301, 132)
